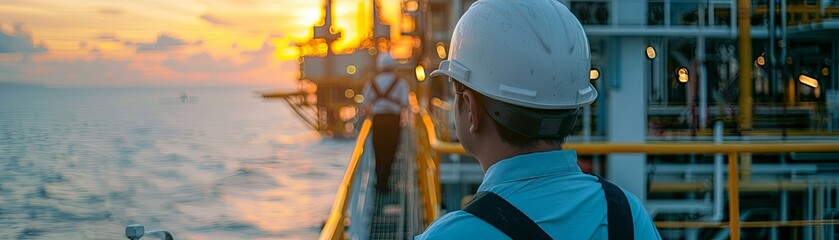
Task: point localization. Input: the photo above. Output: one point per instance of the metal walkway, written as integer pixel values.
(396, 214)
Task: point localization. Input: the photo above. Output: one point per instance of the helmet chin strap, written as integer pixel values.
(535, 123)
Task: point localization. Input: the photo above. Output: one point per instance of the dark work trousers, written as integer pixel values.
(385, 139)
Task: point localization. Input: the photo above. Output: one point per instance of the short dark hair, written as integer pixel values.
(512, 137)
(516, 139)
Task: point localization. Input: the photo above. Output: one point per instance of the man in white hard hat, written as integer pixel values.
(520, 73)
(386, 98)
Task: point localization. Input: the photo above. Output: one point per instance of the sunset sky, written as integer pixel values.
(160, 43)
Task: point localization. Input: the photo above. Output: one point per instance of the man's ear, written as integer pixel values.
(474, 116)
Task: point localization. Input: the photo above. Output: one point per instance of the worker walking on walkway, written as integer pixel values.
(520, 73)
(387, 98)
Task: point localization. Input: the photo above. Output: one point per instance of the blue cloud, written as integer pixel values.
(164, 42)
(18, 41)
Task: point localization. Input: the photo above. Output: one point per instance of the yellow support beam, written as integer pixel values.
(733, 197)
(744, 26)
(751, 224)
(745, 186)
(667, 148)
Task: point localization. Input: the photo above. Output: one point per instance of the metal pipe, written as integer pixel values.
(745, 40)
(783, 58)
(733, 31)
(808, 214)
(733, 198)
(784, 206)
(773, 62)
(667, 13)
(772, 33)
(819, 207)
(718, 175)
(703, 79)
(835, 65)
(665, 31)
(746, 166)
(711, 14)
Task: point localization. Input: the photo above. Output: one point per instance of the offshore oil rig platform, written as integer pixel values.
(722, 115)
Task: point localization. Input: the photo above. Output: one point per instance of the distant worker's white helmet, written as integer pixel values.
(529, 53)
(385, 62)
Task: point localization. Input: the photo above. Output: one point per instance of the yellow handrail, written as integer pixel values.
(732, 149)
(664, 148)
(427, 168)
(334, 227)
(750, 224)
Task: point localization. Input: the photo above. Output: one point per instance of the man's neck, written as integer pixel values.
(493, 152)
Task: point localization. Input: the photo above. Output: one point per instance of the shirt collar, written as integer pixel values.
(530, 165)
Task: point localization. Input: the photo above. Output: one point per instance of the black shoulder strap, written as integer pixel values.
(375, 87)
(504, 216)
(394, 81)
(619, 212)
(386, 94)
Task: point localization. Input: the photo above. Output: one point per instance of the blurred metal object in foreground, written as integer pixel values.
(136, 231)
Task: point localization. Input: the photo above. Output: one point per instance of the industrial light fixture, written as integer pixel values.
(760, 60)
(808, 80)
(420, 71)
(441, 50)
(682, 74)
(594, 74)
(650, 52)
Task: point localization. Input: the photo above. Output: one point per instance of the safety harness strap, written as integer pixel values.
(386, 94)
(618, 211)
(499, 213)
(504, 216)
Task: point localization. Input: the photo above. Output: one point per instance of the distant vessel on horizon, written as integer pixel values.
(185, 98)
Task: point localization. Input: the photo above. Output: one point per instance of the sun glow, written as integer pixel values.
(133, 42)
(353, 21)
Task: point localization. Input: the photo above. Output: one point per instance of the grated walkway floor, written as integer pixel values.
(395, 212)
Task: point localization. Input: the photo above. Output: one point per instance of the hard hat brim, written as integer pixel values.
(439, 72)
(452, 69)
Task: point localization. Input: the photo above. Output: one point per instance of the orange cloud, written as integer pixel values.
(151, 43)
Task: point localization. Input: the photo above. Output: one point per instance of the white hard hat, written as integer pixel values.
(385, 62)
(529, 53)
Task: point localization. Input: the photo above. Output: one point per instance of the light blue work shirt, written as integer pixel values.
(551, 189)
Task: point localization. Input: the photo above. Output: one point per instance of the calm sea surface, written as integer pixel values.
(85, 163)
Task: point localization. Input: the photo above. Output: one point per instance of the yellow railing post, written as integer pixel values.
(734, 197)
(335, 224)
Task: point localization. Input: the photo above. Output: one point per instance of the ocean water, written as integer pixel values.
(85, 163)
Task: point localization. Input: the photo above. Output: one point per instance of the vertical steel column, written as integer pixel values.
(770, 51)
(703, 78)
(820, 209)
(733, 197)
(627, 101)
(835, 65)
(808, 214)
(719, 189)
(745, 40)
